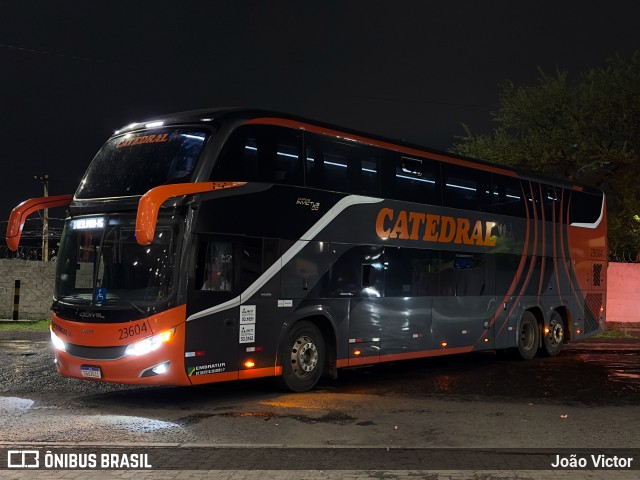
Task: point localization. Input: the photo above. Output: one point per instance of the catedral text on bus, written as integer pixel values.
(233, 244)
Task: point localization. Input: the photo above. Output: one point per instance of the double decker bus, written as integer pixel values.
(231, 244)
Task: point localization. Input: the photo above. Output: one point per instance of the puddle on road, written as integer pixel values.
(134, 424)
(15, 405)
(337, 418)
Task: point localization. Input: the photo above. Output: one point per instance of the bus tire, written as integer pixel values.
(302, 357)
(554, 338)
(528, 336)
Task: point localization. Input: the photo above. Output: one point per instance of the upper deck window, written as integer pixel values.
(466, 188)
(133, 164)
(342, 165)
(412, 179)
(259, 153)
(586, 208)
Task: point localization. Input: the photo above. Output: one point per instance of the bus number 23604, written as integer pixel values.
(132, 331)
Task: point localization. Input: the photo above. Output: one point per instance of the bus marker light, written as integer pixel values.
(486, 340)
(444, 344)
(249, 364)
(578, 332)
(546, 330)
(357, 352)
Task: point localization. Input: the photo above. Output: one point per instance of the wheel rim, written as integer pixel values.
(304, 356)
(527, 336)
(556, 333)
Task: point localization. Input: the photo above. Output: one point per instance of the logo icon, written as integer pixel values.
(23, 459)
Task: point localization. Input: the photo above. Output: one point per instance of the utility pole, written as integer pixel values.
(45, 219)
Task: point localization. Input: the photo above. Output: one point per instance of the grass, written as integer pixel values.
(39, 325)
(614, 333)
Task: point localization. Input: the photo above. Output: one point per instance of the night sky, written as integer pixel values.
(73, 72)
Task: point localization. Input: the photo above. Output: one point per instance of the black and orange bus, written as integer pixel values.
(232, 244)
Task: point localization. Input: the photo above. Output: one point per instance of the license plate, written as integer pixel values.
(90, 372)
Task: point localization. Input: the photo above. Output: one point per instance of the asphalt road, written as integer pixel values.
(586, 398)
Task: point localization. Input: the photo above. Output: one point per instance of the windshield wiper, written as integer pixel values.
(144, 313)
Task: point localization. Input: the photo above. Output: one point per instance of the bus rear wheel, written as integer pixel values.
(302, 357)
(554, 335)
(528, 336)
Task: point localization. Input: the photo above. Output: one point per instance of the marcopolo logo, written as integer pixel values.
(23, 459)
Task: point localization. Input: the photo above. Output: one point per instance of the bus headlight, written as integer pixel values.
(149, 344)
(58, 344)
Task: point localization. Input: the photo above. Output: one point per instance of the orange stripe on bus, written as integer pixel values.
(214, 378)
(260, 372)
(116, 334)
(392, 357)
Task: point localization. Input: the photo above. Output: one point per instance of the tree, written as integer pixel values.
(587, 130)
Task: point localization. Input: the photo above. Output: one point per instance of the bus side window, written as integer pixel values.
(463, 274)
(356, 271)
(466, 188)
(261, 153)
(410, 272)
(585, 207)
(507, 196)
(343, 167)
(217, 265)
(411, 179)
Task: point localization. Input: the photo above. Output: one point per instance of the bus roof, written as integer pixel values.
(219, 116)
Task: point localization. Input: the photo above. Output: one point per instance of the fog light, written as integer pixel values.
(159, 369)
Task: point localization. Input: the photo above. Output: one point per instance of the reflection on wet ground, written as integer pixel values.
(589, 378)
(594, 378)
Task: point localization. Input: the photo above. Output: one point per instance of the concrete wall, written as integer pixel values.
(623, 293)
(36, 288)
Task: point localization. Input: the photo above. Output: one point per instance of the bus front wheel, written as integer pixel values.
(302, 357)
(528, 336)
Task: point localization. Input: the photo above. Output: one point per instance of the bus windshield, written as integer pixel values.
(134, 163)
(100, 263)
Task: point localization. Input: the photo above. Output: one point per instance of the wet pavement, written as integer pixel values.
(587, 397)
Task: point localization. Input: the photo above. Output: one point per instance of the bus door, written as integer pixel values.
(357, 277)
(463, 312)
(211, 344)
(410, 283)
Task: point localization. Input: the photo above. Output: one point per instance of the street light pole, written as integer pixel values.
(45, 219)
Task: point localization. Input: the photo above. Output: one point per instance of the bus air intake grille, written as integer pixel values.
(597, 270)
(95, 353)
(592, 304)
